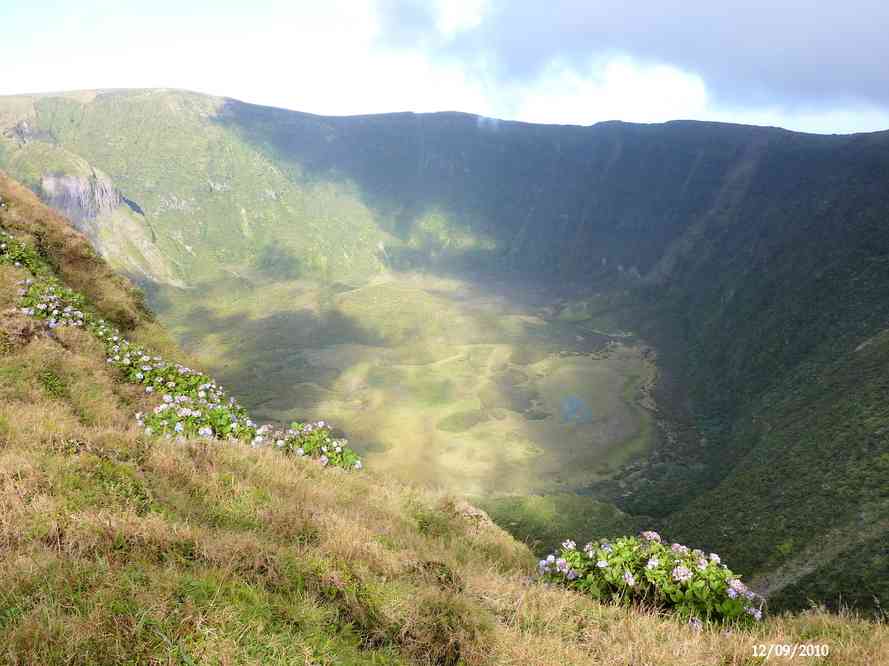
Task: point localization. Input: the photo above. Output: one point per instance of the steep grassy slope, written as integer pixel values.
(785, 314)
(757, 261)
(117, 548)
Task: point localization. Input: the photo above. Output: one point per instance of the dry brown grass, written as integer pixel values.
(8, 277)
(408, 575)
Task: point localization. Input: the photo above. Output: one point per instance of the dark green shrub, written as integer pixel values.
(644, 570)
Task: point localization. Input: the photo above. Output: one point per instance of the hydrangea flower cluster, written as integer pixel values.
(313, 439)
(50, 300)
(643, 569)
(190, 403)
(16, 253)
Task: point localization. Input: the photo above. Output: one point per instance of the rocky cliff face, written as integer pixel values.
(80, 198)
(115, 226)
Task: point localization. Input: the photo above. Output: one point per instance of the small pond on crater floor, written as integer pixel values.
(478, 390)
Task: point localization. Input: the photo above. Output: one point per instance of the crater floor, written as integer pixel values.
(479, 390)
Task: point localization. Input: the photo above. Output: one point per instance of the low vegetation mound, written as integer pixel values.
(643, 570)
(120, 546)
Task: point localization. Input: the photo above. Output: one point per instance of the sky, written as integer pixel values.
(807, 65)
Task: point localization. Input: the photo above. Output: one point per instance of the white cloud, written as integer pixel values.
(614, 89)
(329, 58)
(848, 120)
(455, 16)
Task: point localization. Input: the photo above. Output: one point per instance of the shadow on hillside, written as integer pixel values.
(258, 358)
(559, 199)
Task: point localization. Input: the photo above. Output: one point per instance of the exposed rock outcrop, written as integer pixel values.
(80, 198)
(115, 225)
(24, 132)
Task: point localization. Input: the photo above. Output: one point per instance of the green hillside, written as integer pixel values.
(216, 205)
(121, 546)
(283, 250)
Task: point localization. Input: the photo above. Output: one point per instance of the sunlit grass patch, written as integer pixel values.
(460, 421)
(91, 482)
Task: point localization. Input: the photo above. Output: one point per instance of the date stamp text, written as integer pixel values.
(790, 650)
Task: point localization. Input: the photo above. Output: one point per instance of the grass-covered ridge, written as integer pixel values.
(118, 547)
(167, 153)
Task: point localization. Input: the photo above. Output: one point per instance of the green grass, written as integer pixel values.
(640, 444)
(54, 385)
(544, 521)
(460, 421)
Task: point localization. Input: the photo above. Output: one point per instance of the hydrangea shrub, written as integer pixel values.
(695, 585)
(190, 403)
